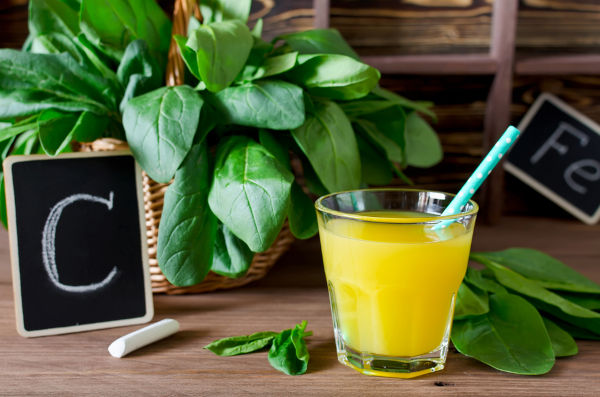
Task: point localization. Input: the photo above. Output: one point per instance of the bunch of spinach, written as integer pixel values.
(287, 349)
(523, 310)
(82, 62)
(249, 111)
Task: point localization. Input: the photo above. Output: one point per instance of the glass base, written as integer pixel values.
(394, 367)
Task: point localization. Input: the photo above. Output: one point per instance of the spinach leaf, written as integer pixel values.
(235, 345)
(231, 256)
(419, 106)
(89, 127)
(160, 128)
(318, 41)
(270, 142)
(56, 43)
(393, 151)
(562, 343)
(362, 107)
(532, 289)
(19, 103)
(24, 125)
(573, 330)
(476, 279)
(328, 141)
(589, 301)
(96, 60)
(276, 65)
(423, 147)
(138, 71)
(222, 10)
(258, 54)
(313, 183)
(187, 230)
(56, 130)
(250, 192)
(511, 337)
(546, 270)
(591, 324)
(288, 352)
(56, 76)
(113, 24)
(53, 16)
(302, 216)
(470, 302)
(334, 76)
(188, 55)
(273, 104)
(222, 49)
(375, 168)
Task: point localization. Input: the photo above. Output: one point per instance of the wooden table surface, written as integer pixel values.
(295, 290)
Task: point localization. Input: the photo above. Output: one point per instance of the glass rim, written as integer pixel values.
(378, 219)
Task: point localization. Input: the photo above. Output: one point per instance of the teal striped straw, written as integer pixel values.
(481, 172)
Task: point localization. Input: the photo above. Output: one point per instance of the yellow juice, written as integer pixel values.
(393, 284)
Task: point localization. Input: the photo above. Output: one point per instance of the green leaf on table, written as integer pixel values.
(231, 256)
(221, 52)
(53, 16)
(327, 139)
(511, 337)
(276, 65)
(186, 236)
(470, 301)
(302, 216)
(160, 128)
(334, 76)
(589, 301)
(250, 192)
(138, 72)
(375, 168)
(244, 344)
(562, 343)
(549, 272)
(222, 10)
(56, 130)
(530, 288)
(573, 330)
(113, 24)
(371, 131)
(275, 147)
(272, 104)
(318, 41)
(476, 279)
(39, 81)
(419, 106)
(423, 147)
(288, 352)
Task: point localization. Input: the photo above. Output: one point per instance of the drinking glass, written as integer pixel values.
(393, 271)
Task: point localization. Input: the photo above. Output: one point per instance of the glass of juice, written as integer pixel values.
(393, 276)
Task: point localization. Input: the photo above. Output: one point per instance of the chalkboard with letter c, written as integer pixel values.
(558, 154)
(78, 242)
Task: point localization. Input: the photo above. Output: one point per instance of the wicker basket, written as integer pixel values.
(154, 191)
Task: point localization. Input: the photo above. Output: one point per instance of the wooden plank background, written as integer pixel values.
(384, 27)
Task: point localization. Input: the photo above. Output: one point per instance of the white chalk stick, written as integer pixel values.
(142, 337)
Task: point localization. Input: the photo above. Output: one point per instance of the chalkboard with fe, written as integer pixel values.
(78, 242)
(558, 154)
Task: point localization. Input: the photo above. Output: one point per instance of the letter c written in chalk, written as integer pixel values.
(49, 243)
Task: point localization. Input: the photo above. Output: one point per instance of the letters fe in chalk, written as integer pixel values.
(558, 154)
(49, 240)
(588, 169)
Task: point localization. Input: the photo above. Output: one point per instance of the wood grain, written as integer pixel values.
(79, 364)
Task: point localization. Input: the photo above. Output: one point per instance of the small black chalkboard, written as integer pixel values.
(78, 244)
(558, 154)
